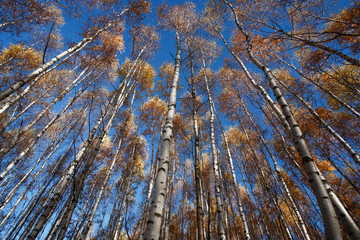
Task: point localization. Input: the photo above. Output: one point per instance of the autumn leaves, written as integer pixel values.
(259, 143)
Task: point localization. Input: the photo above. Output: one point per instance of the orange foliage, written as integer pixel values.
(181, 18)
(179, 125)
(312, 60)
(144, 74)
(295, 192)
(19, 60)
(264, 48)
(112, 41)
(346, 28)
(341, 82)
(206, 172)
(137, 8)
(152, 113)
(235, 137)
(166, 73)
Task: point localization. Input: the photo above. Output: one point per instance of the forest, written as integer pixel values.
(217, 119)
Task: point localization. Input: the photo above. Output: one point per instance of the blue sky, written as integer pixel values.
(167, 38)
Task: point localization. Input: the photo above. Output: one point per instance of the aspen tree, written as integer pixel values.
(23, 130)
(219, 204)
(24, 110)
(331, 223)
(107, 177)
(155, 108)
(132, 173)
(72, 165)
(341, 211)
(15, 161)
(206, 53)
(21, 17)
(177, 19)
(319, 45)
(199, 207)
(324, 89)
(157, 203)
(136, 8)
(4, 94)
(342, 141)
(262, 176)
(114, 106)
(52, 149)
(277, 171)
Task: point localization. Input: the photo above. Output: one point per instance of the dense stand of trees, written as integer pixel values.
(248, 129)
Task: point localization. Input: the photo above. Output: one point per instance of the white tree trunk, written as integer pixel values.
(4, 94)
(230, 161)
(332, 227)
(342, 141)
(79, 157)
(156, 210)
(322, 88)
(44, 111)
(52, 148)
(303, 229)
(15, 161)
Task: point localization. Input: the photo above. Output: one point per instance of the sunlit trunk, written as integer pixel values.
(332, 228)
(158, 200)
(4, 94)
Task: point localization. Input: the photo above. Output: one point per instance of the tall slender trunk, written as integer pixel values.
(22, 197)
(82, 217)
(304, 231)
(60, 226)
(43, 112)
(343, 215)
(64, 213)
(15, 161)
(346, 219)
(154, 222)
(257, 86)
(39, 195)
(342, 141)
(88, 223)
(120, 192)
(230, 160)
(209, 217)
(309, 42)
(153, 167)
(127, 182)
(258, 205)
(323, 89)
(216, 168)
(199, 206)
(14, 99)
(225, 214)
(120, 214)
(50, 151)
(50, 207)
(170, 196)
(332, 227)
(7, 92)
(30, 225)
(57, 223)
(273, 196)
(78, 185)
(23, 110)
(91, 216)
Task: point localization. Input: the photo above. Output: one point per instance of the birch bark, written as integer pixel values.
(157, 204)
